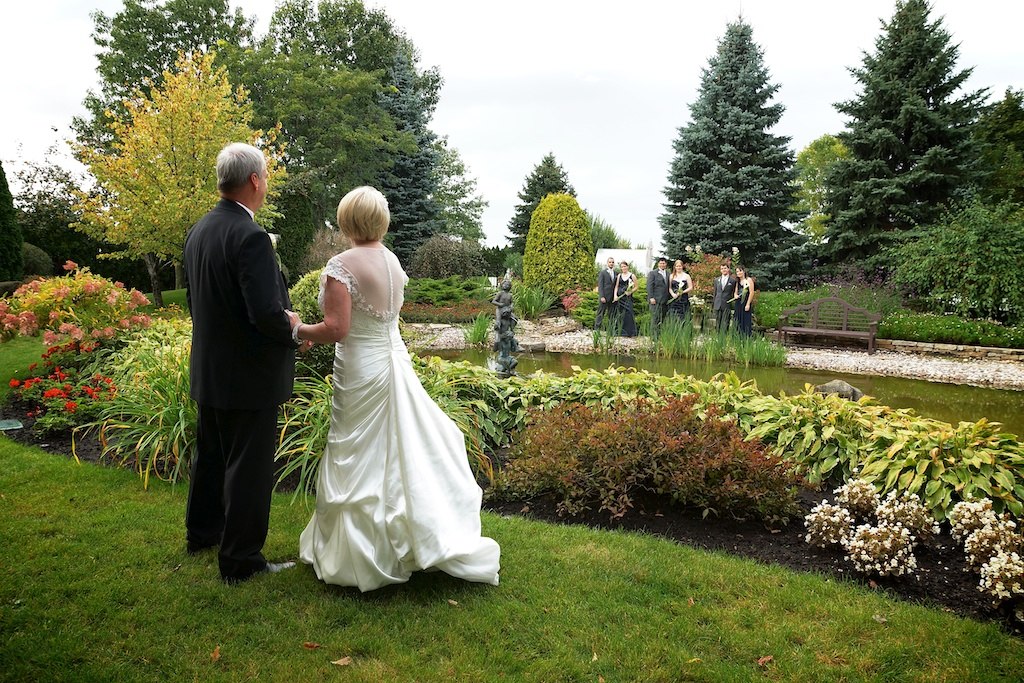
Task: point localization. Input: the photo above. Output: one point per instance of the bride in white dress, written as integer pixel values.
(395, 493)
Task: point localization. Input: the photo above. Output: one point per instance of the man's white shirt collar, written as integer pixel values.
(247, 210)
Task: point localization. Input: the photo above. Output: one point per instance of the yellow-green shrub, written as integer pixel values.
(559, 252)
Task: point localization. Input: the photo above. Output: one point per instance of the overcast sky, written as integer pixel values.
(602, 85)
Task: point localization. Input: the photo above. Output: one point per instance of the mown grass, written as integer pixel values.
(95, 586)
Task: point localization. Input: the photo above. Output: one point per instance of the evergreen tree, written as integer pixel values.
(10, 233)
(559, 252)
(410, 184)
(547, 178)
(730, 183)
(1000, 133)
(908, 138)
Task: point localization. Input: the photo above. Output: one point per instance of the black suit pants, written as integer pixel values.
(231, 486)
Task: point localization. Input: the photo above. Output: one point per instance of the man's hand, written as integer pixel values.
(654, 302)
(305, 346)
(603, 300)
(293, 318)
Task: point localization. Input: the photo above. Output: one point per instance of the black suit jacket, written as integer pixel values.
(657, 286)
(243, 356)
(606, 285)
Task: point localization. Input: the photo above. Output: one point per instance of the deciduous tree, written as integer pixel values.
(160, 176)
(813, 165)
(10, 233)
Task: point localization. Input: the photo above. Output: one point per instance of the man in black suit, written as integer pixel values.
(657, 295)
(242, 367)
(725, 287)
(605, 290)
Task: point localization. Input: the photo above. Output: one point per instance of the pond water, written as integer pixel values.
(948, 402)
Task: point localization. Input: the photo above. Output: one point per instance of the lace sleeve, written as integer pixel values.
(336, 270)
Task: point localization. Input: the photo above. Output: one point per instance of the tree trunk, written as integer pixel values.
(179, 276)
(154, 279)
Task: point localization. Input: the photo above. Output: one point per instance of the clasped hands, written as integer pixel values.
(294, 321)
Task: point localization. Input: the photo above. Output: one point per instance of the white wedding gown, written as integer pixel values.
(395, 493)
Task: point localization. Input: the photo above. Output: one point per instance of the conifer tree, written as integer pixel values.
(1000, 134)
(410, 183)
(548, 177)
(10, 233)
(730, 183)
(908, 136)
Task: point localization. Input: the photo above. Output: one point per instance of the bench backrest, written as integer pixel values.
(830, 313)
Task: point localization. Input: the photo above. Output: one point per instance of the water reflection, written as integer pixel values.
(947, 402)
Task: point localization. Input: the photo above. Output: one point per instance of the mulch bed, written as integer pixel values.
(942, 581)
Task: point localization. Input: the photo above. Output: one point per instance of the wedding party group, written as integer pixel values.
(668, 295)
(395, 493)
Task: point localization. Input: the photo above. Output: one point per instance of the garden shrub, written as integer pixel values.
(949, 329)
(59, 397)
(968, 263)
(319, 360)
(884, 550)
(588, 456)
(79, 306)
(10, 234)
(444, 256)
(35, 261)
(450, 290)
(559, 253)
(828, 524)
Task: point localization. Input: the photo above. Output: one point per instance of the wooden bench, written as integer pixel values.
(830, 317)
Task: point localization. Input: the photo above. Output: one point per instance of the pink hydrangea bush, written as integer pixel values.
(78, 306)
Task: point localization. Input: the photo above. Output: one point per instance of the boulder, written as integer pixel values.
(841, 388)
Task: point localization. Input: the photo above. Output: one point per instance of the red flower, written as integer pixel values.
(53, 393)
(70, 265)
(71, 406)
(15, 383)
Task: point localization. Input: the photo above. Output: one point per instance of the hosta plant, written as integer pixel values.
(828, 524)
(906, 510)
(885, 550)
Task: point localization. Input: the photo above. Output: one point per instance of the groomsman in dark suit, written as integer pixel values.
(725, 287)
(242, 367)
(605, 290)
(657, 295)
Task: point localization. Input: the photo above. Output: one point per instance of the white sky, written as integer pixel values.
(603, 85)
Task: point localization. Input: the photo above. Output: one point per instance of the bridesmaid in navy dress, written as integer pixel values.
(625, 285)
(744, 295)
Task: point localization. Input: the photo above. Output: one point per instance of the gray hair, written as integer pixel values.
(235, 165)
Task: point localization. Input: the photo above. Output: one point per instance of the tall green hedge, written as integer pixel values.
(10, 233)
(559, 251)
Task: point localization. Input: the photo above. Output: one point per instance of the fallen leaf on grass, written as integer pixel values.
(215, 655)
(309, 645)
(600, 678)
(695, 660)
(176, 568)
(344, 661)
(453, 603)
(691, 602)
(764, 661)
(594, 658)
(879, 618)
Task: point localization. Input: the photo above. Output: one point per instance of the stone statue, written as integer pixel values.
(841, 388)
(504, 325)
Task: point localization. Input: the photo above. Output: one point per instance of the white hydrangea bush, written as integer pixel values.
(1002, 577)
(886, 550)
(859, 497)
(985, 543)
(828, 524)
(966, 517)
(907, 511)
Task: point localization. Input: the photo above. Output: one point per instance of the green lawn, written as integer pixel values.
(95, 586)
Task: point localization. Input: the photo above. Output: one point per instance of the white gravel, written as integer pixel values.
(531, 336)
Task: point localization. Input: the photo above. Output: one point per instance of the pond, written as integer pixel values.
(948, 402)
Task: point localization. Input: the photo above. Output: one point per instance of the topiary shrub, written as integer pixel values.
(444, 256)
(559, 251)
(35, 261)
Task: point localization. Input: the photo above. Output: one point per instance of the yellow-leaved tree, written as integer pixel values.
(160, 177)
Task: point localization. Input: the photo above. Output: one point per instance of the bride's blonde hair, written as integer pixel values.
(363, 214)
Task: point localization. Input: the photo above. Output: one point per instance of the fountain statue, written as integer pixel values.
(504, 330)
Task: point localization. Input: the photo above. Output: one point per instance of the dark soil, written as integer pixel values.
(942, 580)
